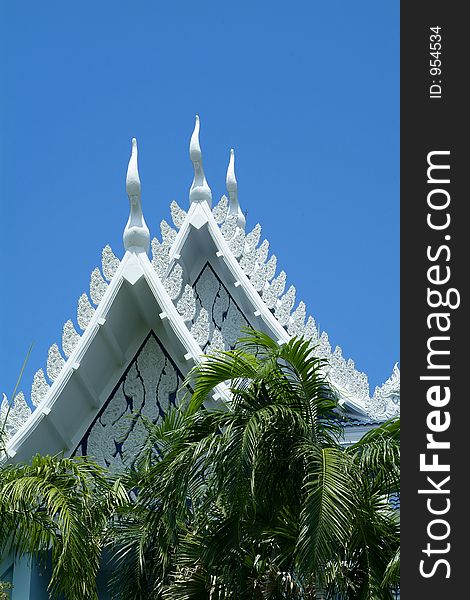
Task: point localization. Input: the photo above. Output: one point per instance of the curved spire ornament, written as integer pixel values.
(200, 189)
(232, 189)
(136, 235)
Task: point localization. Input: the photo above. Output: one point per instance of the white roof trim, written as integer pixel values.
(132, 268)
(243, 259)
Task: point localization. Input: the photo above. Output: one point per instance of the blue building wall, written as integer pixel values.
(30, 580)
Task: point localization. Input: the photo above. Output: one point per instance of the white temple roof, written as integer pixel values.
(135, 295)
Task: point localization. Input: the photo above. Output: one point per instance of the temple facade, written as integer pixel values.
(147, 320)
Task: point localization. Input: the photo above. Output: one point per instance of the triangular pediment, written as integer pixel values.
(150, 386)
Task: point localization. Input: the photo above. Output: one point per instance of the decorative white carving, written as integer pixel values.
(283, 309)
(150, 384)
(168, 385)
(200, 329)
(252, 238)
(70, 338)
(98, 286)
(134, 443)
(187, 304)
(101, 445)
(168, 234)
(39, 388)
(161, 258)
(151, 364)
(237, 243)
(357, 384)
(178, 215)
(220, 210)
(276, 288)
(208, 291)
(248, 261)
(18, 415)
(229, 227)
(217, 342)
(253, 258)
(385, 402)
(119, 406)
(232, 325)
(224, 315)
(109, 262)
(323, 350)
(337, 363)
(134, 387)
(296, 325)
(55, 362)
(311, 331)
(174, 281)
(259, 278)
(85, 312)
(262, 253)
(271, 267)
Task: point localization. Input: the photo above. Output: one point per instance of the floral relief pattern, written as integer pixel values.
(220, 210)
(55, 362)
(98, 286)
(229, 227)
(39, 388)
(109, 262)
(160, 258)
(285, 306)
(186, 305)
(173, 282)
(149, 386)
(222, 313)
(85, 312)
(70, 338)
(252, 238)
(17, 415)
(275, 289)
(178, 215)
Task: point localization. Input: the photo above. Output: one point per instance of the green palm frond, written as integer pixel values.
(377, 454)
(255, 500)
(328, 507)
(263, 487)
(61, 505)
(392, 572)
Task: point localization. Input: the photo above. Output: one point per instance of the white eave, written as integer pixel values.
(134, 303)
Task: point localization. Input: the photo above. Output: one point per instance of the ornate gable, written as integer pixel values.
(145, 321)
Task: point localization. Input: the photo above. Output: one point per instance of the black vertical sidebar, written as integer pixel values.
(435, 257)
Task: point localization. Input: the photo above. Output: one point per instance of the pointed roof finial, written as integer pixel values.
(136, 235)
(132, 178)
(232, 189)
(200, 189)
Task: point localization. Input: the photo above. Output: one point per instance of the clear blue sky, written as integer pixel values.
(306, 92)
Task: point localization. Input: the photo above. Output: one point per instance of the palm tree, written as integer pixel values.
(254, 500)
(59, 506)
(376, 462)
(259, 499)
